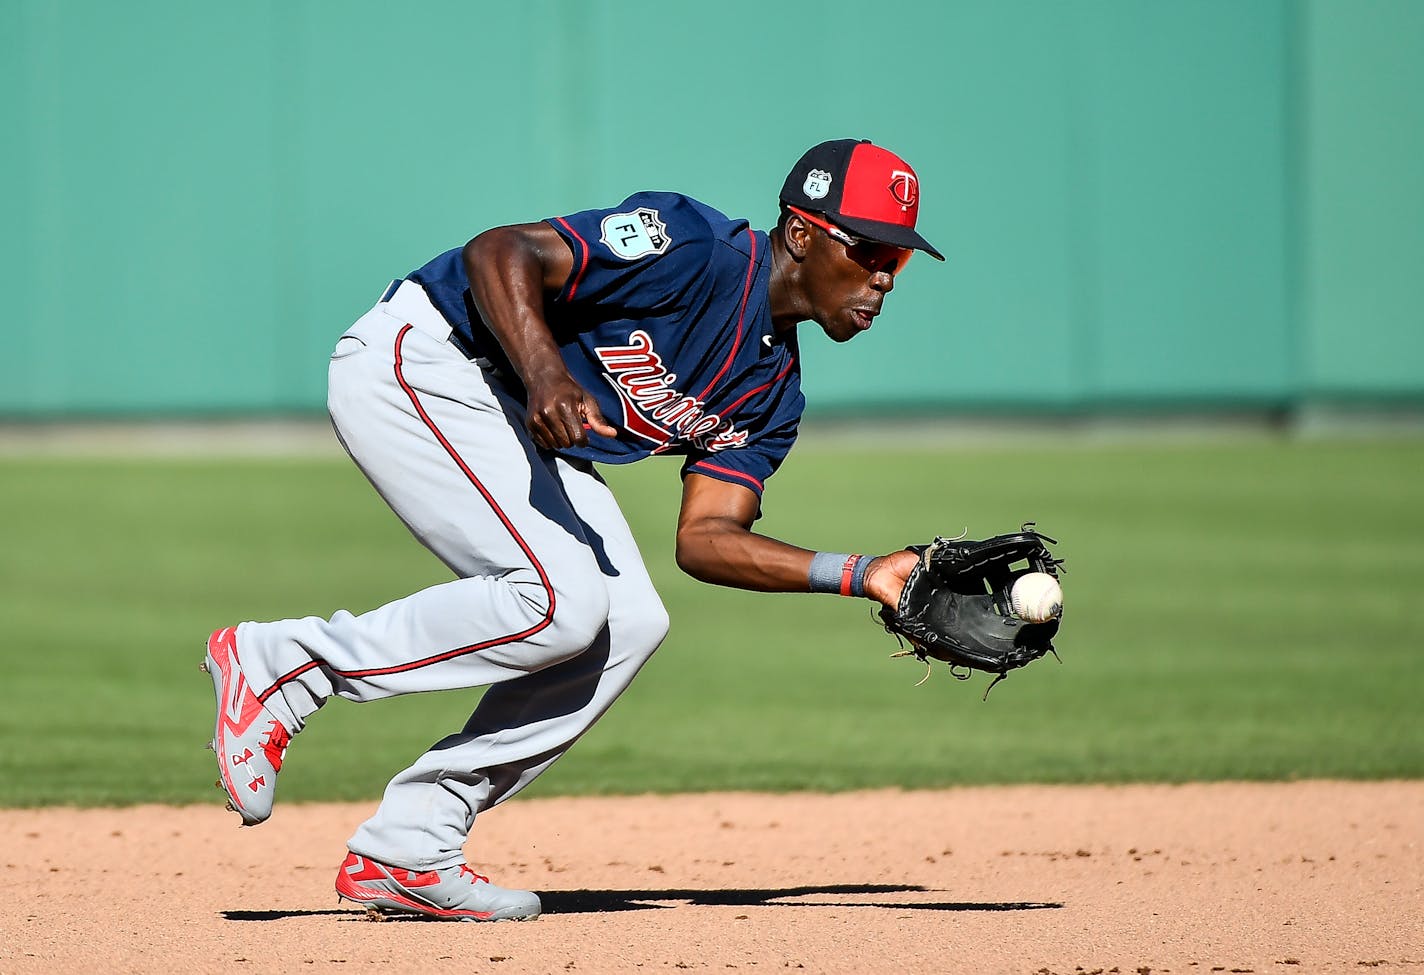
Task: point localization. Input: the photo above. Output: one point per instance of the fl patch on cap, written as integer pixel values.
(862, 187)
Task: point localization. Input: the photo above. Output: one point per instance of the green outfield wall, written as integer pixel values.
(1145, 204)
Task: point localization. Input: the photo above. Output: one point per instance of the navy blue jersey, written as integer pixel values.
(665, 320)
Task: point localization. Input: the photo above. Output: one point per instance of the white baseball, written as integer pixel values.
(1037, 597)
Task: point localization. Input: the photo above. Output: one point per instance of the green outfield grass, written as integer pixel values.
(1240, 610)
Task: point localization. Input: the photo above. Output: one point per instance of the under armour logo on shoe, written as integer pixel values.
(254, 781)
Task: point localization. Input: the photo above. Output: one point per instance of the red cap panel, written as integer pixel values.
(879, 185)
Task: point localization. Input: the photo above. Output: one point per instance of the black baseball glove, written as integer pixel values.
(957, 604)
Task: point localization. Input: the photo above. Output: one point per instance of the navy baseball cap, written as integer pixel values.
(862, 187)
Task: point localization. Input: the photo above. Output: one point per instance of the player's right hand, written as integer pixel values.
(561, 412)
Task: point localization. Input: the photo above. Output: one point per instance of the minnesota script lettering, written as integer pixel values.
(653, 408)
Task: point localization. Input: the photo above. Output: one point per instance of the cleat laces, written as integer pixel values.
(275, 746)
(478, 878)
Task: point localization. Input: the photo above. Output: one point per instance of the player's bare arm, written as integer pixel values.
(512, 271)
(715, 544)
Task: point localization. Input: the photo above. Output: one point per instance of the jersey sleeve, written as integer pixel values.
(753, 464)
(646, 254)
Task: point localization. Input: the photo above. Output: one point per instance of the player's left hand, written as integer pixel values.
(885, 579)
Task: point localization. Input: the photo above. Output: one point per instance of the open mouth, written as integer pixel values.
(862, 318)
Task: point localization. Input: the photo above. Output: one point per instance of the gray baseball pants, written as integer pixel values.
(552, 607)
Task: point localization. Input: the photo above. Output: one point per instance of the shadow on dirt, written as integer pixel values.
(612, 901)
(845, 895)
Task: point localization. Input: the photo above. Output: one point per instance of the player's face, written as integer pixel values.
(848, 278)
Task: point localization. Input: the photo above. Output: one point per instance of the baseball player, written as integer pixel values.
(477, 396)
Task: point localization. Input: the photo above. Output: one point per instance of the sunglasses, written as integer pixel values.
(869, 254)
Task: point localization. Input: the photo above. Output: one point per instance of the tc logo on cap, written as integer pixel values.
(817, 185)
(904, 188)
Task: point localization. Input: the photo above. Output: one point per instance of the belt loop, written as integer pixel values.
(409, 303)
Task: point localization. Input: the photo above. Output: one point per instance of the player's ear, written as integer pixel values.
(796, 233)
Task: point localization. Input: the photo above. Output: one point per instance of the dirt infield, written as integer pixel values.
(1300, 877)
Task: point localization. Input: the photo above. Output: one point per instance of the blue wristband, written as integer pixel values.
(826, 571)
(857, 579)
(839, 572)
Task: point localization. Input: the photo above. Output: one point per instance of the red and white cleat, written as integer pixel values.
(452, 893)
(250, 743)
